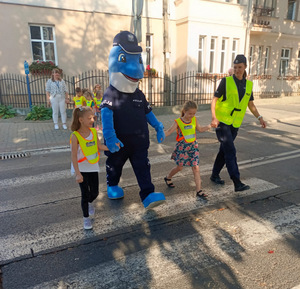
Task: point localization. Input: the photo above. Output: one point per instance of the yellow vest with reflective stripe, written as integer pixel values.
(232, 110)
(89, 102)
(97, 101)
(78, 100)
(188, 130)
(89, 147)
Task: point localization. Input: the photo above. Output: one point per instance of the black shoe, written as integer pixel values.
(217, 180)
(241, 187)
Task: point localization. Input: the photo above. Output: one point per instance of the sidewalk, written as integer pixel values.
(20, 136)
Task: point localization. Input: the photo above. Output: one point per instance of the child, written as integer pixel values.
(79, 99)
(89, 100)
(98, 100)
(186, 152)
(85, 147)
(97, 88)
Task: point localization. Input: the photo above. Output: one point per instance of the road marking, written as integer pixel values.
(203, 249)
(63, 174)
(60, 234)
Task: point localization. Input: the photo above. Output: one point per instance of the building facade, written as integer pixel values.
(176, 36)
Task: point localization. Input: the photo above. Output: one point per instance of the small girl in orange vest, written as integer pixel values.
(186, 153)
(85, 147)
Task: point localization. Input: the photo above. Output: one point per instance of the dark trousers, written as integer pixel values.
(136, 150)
(226, 135)
(89, 190)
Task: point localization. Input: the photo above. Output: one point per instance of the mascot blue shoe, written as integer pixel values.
(125, 117)
(154, 200)
(115, 192)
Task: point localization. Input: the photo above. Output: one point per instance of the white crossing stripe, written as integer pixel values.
(203, 249)
(63, 174)
(55, 235)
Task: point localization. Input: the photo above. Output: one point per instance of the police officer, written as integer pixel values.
(228, 109)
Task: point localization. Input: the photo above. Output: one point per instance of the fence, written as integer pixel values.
(159, 89)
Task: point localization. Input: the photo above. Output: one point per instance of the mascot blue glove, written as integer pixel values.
(109, 134)
(125, 116)
(158, 126)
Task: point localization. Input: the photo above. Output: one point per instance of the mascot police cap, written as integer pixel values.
(128, 42)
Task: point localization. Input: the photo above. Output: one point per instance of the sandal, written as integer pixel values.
(201, 195)
(170, 185)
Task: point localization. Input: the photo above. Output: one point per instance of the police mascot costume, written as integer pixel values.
(125, 116)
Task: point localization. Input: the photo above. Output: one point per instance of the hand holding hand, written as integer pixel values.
(214, 123)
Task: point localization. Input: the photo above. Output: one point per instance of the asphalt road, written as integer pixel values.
(235, 240)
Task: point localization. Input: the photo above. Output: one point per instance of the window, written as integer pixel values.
(212, 54)
(265, 7)
(43, 43)
(250, 59)
(149, 49)
(284, 61)
(201, 54)
(298, 63)
(234, 49)
(266, 62)
(291, 9)
(223, 55)
(258, 63)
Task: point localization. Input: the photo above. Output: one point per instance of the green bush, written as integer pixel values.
(7, 111)
(39, 113)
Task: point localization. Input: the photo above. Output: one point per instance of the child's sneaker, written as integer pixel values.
(91, 210)
(87, 223)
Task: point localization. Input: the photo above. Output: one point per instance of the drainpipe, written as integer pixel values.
(247, 36)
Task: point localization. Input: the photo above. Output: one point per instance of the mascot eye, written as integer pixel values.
(141, 60)
(122, 58)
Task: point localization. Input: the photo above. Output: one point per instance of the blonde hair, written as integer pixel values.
(88, 95)
(188, 105)
(97, 84)
(99, 94)
(52, 74)
(77, 113)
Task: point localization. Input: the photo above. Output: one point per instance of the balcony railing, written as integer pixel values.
(262, 11)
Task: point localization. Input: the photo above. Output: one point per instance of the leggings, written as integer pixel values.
(89, 190)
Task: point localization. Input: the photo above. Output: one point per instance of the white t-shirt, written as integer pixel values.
(85, 166)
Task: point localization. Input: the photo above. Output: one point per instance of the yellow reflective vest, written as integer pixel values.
(97, 101)
(78, 100)
(232, 110)
(188, 130)
(89, 102)
(89, 147)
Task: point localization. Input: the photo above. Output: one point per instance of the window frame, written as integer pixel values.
(294, 11)
(223, 55)
(266, 59)
(149, 49)
(286, 60)
(43, 41)
(201, 53)
(234, 51)
(251, 58)
(212, 52)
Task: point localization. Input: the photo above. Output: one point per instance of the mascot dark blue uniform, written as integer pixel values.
(125, 116)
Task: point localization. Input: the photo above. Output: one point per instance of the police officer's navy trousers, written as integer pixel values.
(226, 135)
(136, 150)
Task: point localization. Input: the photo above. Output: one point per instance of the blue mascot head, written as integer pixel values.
(125, 63)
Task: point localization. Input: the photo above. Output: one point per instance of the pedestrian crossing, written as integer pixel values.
(247, 233)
